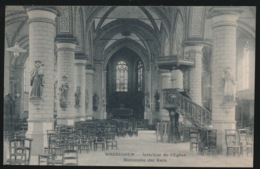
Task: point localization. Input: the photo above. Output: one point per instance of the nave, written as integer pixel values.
(146, 143)
(144, 146)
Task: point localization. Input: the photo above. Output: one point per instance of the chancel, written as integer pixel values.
(138, 80)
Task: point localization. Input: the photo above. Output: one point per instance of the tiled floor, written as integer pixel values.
(135, 150)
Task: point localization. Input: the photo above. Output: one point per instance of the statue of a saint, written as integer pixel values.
(77, 97)
(95, 102)
(63, 92)
(229, 85)
(37, 80)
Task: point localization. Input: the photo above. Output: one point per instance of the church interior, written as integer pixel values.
(112, 85)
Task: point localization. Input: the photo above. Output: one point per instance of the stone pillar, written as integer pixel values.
(80, 87)
(223, 23)
(66, 111)
(166, 83)
(103, 98)
(19, 94)
(89, 92)
(42, 30)
(166, 79)
(147, 110)
(177, 79)
(177, 75)
(195, 51)
(97, 88)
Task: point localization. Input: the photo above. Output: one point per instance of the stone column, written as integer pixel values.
(178, 79)
(19, 94)
(80, 86)
(166, 83)
(97, 88)
(66, 112)
(166, 79)
(195, 52)
(42, 30)
(147, 110)
(89, 92)
(103, 99)
(177, 75)
(223, 23)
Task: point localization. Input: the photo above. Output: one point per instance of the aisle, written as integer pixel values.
(136, 151)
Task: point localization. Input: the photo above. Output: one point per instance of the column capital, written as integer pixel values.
(66, 43)
(194, 47)
(79, 62)
(90, 67)
(165, 73)
(89, 71)
(224, 16)
(42, 13)
(81, 56)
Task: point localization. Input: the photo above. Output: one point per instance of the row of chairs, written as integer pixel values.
(239, 141)
(66, 154)
(64, 138)
(121, 127)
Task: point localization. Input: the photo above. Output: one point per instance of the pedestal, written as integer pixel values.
(38, 123)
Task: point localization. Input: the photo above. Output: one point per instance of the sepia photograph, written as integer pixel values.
(141, 86)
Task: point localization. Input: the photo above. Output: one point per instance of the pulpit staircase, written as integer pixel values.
(172, 99)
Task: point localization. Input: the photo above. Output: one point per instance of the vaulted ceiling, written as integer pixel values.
(149, 29)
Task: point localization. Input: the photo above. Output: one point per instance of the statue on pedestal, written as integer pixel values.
(63, 92)
(77, 97)
(229, 85)
(37, 80)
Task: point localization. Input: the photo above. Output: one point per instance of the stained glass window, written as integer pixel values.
(140, 76)
(121, 77)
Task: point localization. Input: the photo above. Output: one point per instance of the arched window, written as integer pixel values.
(121, 77)
(246, 56)
(140, 70)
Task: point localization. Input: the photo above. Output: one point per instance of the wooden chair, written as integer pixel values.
(100, 140)
(84, 144)
(70, 158)
(194, 139)
(43, 158)
(19, 151)
(232, 142)
(245, 141)
(55, 156)
(211, 147)
(111, 141)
